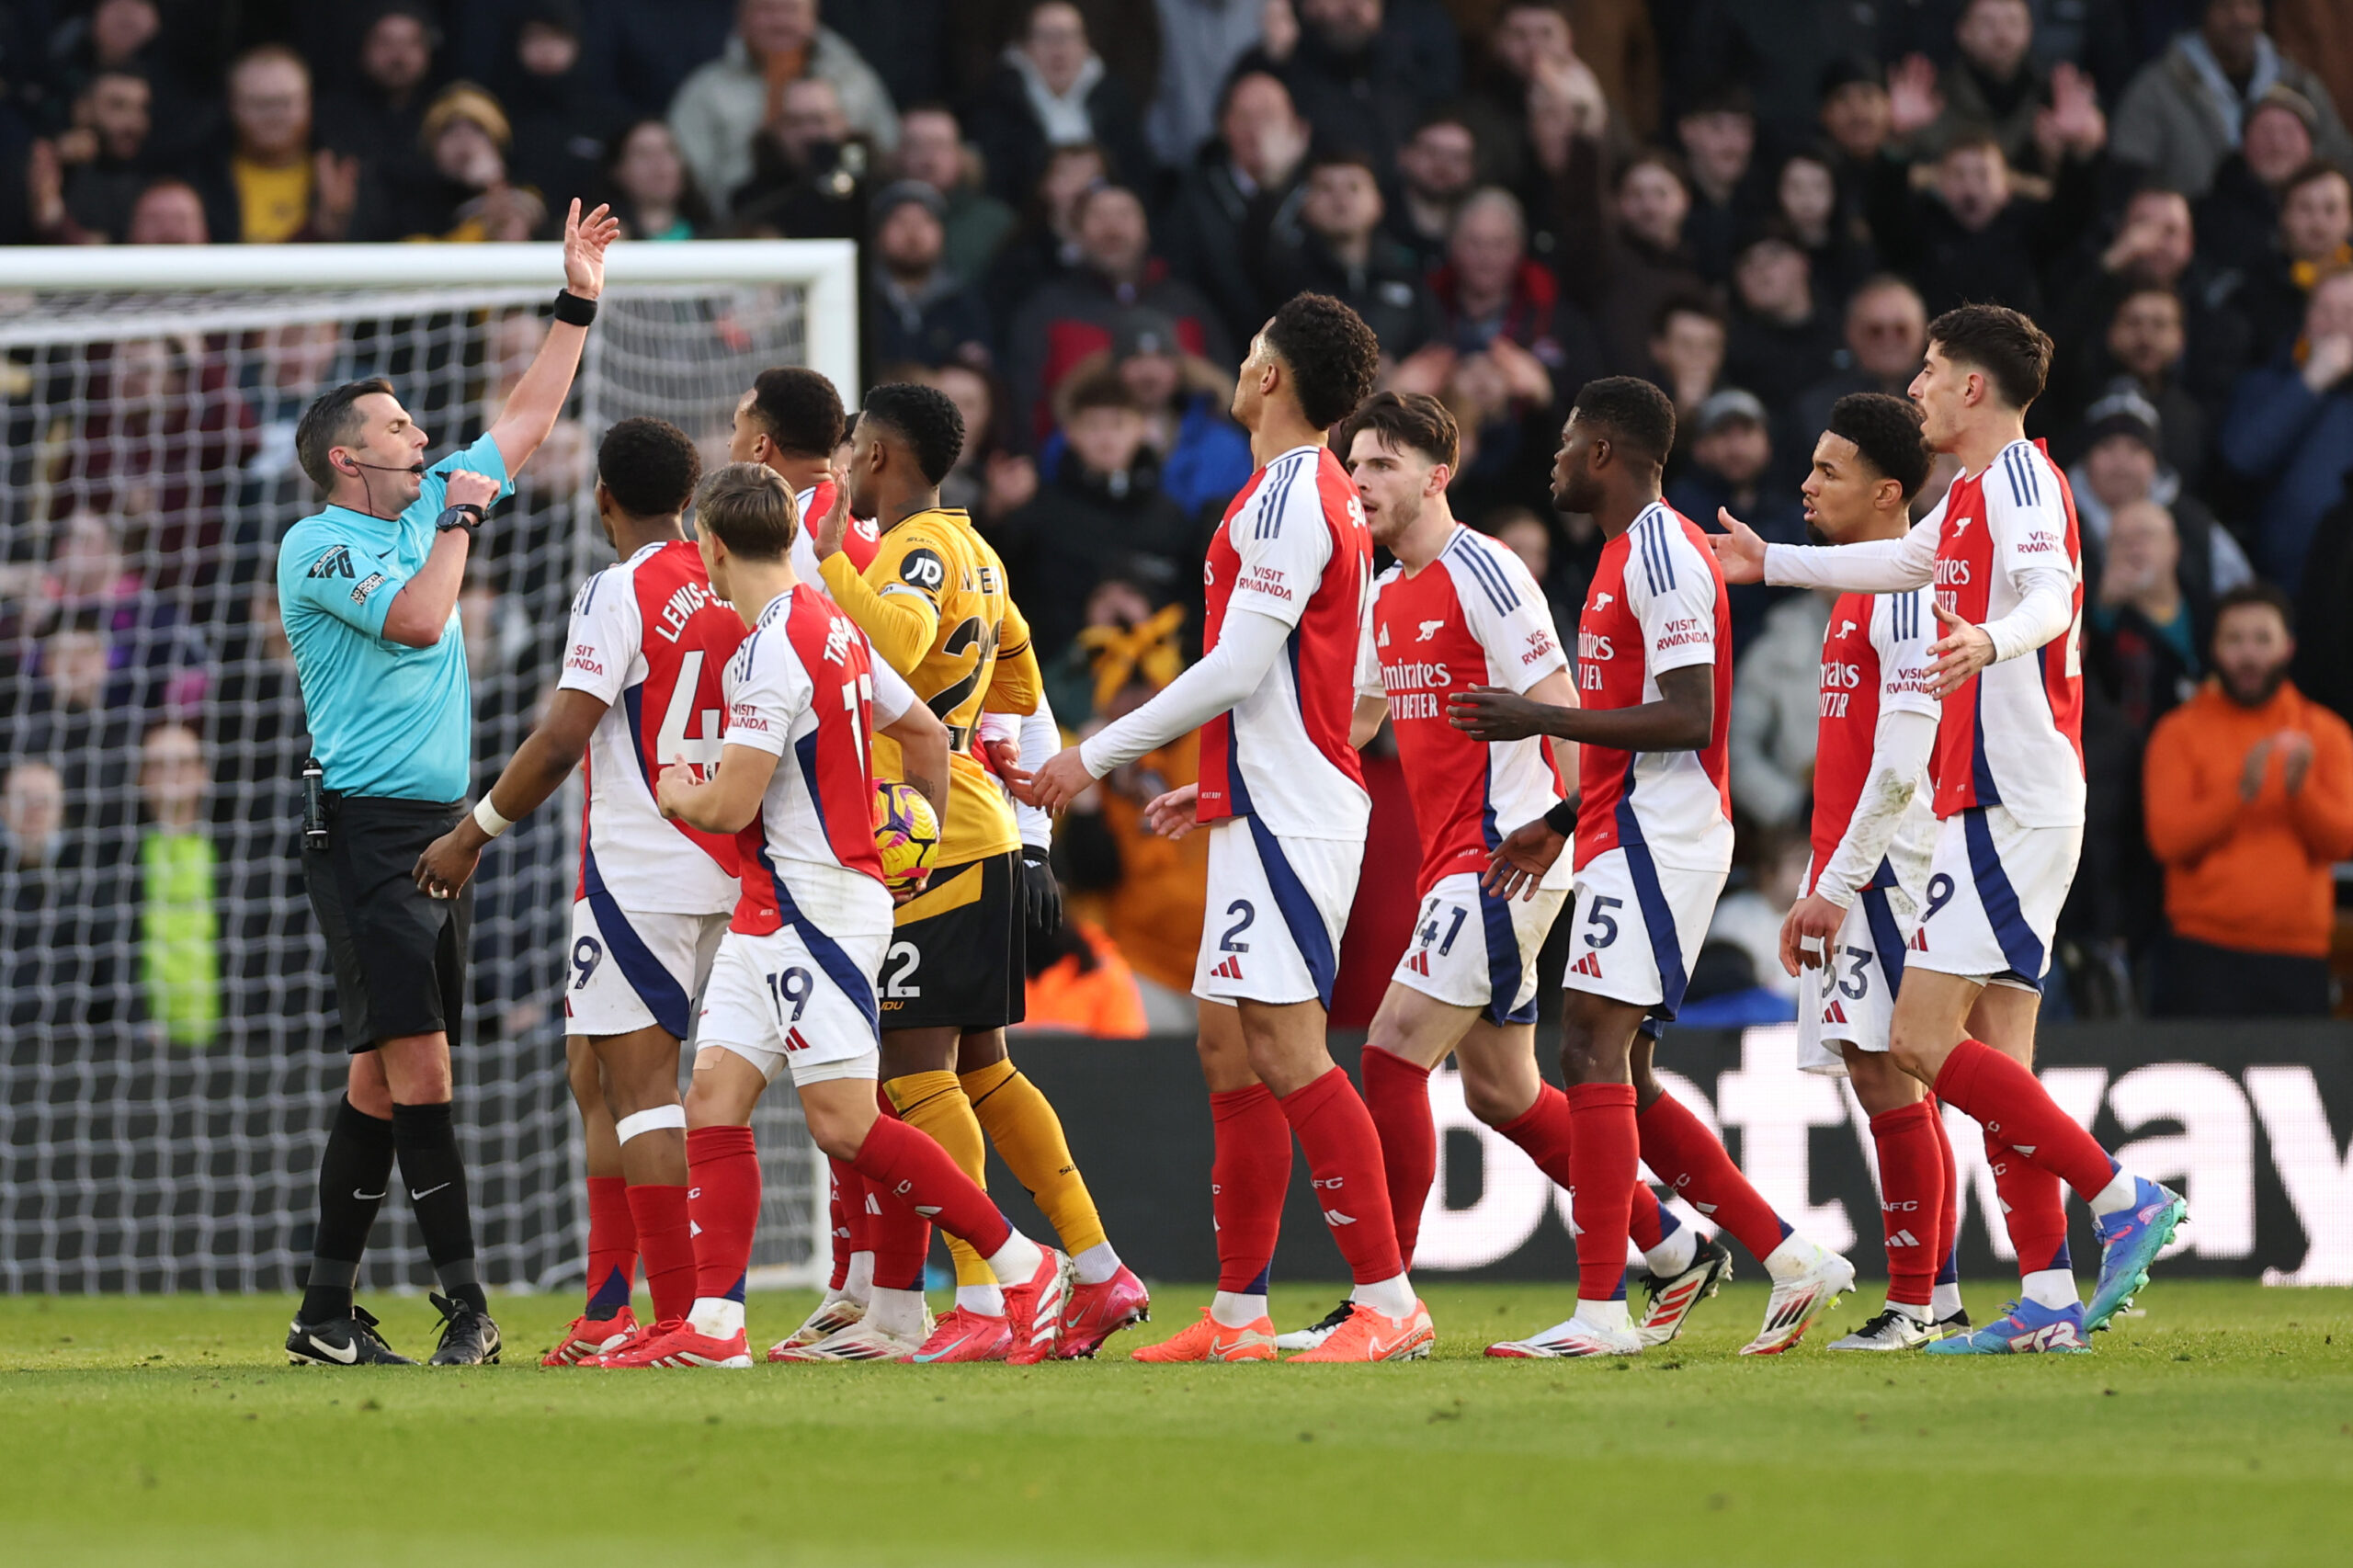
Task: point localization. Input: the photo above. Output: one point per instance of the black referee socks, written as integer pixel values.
(352, 1177)
(436, 1177)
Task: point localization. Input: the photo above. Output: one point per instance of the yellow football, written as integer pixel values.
(906, 832)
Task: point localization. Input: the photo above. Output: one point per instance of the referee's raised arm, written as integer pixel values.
(532, 408)
(367, 588)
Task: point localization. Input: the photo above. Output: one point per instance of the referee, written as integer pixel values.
(368, 591)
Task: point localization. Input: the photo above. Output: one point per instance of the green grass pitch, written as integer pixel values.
(2217, 1429)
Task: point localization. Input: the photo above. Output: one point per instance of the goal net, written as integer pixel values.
(173, 1053)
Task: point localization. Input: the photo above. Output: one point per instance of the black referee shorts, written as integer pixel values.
(399, 956)
(958, 951)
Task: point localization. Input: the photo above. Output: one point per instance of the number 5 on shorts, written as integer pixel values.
(1596, 917)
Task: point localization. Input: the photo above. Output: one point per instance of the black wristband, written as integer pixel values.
(573, 311)
(1562, 819)
(462, 515)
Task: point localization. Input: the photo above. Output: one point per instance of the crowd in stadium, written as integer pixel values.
(1071, 220)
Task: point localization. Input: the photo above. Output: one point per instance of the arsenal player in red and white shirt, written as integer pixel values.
(792, 988)
(1654, 843)
(792, 422)
(1460, 612)
(1287, 575)
(2004, 555)
(1874, 831)
(639, 689)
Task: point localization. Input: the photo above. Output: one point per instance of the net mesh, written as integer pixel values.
(172, 1048)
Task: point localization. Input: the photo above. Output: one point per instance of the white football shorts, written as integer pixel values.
(1471, 948)
(1851, 999)
(1992, 901)
(801, 997)
(633, 972)
(1639, 926)
(1270, 931)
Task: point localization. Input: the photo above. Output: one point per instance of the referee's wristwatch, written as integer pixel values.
(463, 515)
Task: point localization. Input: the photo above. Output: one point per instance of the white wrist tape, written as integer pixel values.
(487, 818)
(652, 1121)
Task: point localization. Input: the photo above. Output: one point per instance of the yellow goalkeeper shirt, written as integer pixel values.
(933, 602)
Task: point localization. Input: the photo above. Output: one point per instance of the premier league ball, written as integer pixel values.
(906, 834)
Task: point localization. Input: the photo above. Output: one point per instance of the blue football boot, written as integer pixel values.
(2023, 1329)
(2130, 1240)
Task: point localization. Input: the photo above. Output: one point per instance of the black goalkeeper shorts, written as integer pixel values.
(399, 956)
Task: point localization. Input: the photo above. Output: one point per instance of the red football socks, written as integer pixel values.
(1343, 1152)
(1690, 1159)
(1543, 1131)
(1248, 1178)
(899, 1238)
(723, 1201)
(1911, 1198)
(2006, 1101)
(612, 1246)
(1603, 1164)
(665, 1236)
(905, 1165)
(846, 1214)
(1397, 1093)
(1949, 1218)
(2034, 1206)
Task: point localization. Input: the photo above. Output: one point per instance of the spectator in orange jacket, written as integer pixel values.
(2250, 802)
(1080, 984)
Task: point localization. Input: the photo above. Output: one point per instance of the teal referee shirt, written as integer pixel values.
(385, 720)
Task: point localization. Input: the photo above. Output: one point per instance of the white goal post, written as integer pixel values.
(172, 1054)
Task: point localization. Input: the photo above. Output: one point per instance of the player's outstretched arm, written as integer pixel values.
(536, 770)
(1247, 647)
(725, 804)
(1682, 719)
(1876, 566)
(531, 409)
(1740, 550)
(1366, 722)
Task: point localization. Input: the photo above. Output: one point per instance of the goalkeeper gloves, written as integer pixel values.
(1042, 895)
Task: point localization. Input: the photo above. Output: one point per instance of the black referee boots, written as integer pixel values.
(348, 1341)
(467, 1336)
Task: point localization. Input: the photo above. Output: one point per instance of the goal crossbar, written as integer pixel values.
(825, 269)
